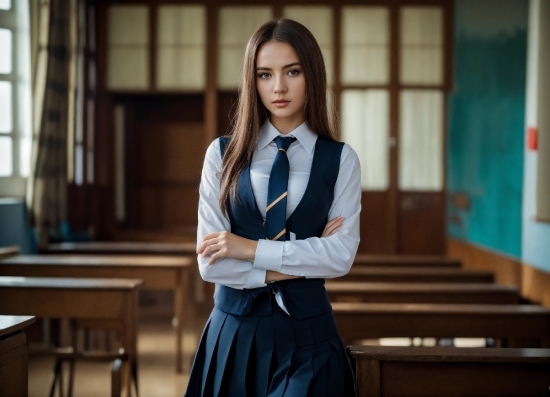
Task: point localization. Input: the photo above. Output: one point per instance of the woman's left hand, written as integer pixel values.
(226, 245)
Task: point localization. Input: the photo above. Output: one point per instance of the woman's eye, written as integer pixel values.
(263, 75)
(293, 72)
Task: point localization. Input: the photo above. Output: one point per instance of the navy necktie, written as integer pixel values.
(275, 213)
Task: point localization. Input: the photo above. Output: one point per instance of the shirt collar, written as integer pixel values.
(302, 133)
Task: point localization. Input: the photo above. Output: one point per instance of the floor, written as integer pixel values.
(156, 358)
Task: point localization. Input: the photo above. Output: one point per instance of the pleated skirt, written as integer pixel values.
(270, 356)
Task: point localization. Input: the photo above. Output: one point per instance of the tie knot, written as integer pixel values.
(284, 142)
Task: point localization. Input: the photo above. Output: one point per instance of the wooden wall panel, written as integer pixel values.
(533, 283)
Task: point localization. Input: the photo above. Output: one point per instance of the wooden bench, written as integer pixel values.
(114, 301)
(405, 261)
(14, 355)
(341, 291)
(122, 248)
(157, 272)
(417, 275)
(450, 372)
(7, 252)
(529, 323)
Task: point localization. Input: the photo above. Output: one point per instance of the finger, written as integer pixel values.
(215, 257)
(337, 223)
(208, 251)
(210, 236)
(335, 230)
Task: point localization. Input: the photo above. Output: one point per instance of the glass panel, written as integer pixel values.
(5, 4)
(181, 68)
(236, 25)
(6, 156)
(78, 165)
(182, 25)
(6, 51)
(365, 127)
(128, 25)
(182, 47)
(128, 65)
(6, 111)
(128, 68)
(421, 45)
(25, 147)
(365, 49)
(421, 140)
(318, 19)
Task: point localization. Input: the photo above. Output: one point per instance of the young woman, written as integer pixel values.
(278, 213)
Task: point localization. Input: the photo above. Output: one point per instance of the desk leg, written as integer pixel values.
(180, 305)
(129, 340)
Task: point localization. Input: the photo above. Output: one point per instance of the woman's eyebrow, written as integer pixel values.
(284, 67)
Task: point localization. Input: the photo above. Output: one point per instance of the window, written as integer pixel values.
(15, 98)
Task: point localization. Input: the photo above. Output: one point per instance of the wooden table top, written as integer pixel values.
(441, 309)
(11, 324)
(373, 288)
(125, 247)
(69, 283)
(415, 271)
(99, 260)
(439, 354)
(406, 260)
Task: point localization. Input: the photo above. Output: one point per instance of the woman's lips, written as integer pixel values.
(281, 104)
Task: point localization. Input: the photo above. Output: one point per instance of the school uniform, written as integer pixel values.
(279, 339)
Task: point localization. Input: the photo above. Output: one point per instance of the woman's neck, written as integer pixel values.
(286, 125)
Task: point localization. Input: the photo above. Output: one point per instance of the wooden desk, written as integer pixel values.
(417, 275)
(14, 356)
(452, 372)
(378, 320)
(405, 261)
(123, 248)
(112, 300)
(341, 291)
(157, 272)
(7, 252)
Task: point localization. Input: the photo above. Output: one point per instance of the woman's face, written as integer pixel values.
(281, 83)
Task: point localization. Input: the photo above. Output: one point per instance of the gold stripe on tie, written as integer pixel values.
(280, 234)
(283, 150)
(282, 196)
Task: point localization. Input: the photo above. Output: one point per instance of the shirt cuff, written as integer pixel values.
(269, 255)
(256, 278)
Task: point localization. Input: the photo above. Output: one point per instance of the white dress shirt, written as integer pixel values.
(315, 257)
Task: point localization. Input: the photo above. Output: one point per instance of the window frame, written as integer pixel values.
(16, 19)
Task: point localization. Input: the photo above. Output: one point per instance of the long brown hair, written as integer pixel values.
(250, 113)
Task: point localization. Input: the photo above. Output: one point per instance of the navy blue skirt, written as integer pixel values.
(275, 355)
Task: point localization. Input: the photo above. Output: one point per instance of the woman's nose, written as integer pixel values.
(280, 86)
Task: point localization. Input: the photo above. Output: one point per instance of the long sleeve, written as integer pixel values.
(322, 257)
(234, 273)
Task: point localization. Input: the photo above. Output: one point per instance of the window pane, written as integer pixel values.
(421, 45)
(318, 19)
(25, 146)
(6, 156)
(421, 140)
(182, 47)
(6, 51)
(365, 50)
(128, 64)
(5, 4)
(236, 25)
(6, 113)
(365, 127)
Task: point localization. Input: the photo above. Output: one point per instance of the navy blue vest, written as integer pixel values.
(303, 298)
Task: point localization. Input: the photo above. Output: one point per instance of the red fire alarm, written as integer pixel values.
(532, 138)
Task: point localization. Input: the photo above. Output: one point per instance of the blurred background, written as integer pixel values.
(107, 108)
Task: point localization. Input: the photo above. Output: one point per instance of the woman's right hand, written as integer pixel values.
(333, 226)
